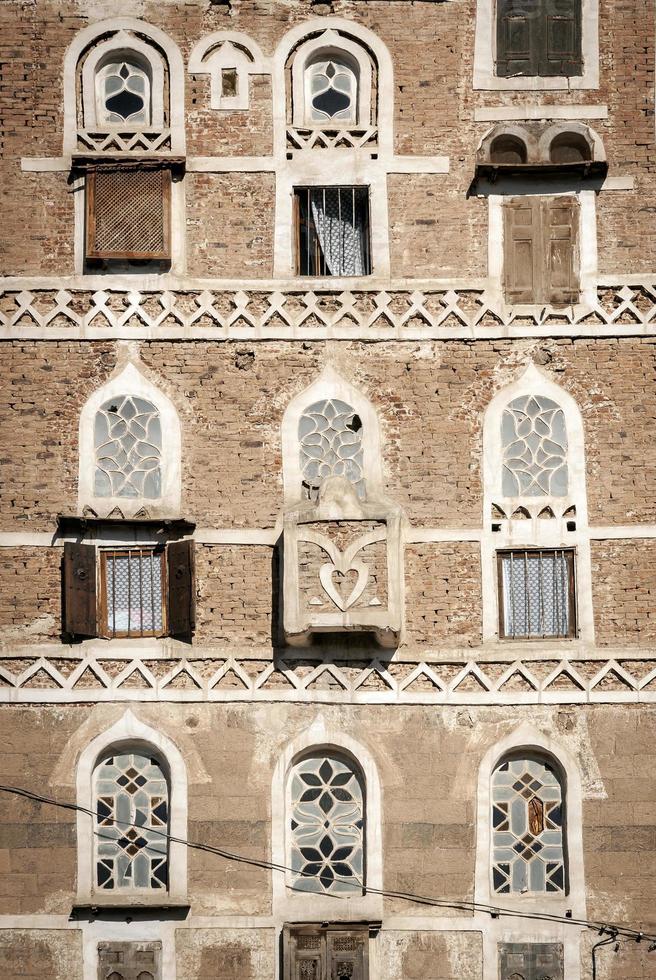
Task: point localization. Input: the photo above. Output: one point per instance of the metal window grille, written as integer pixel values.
(332, 231)
(133, 592)
(536, 594)
(128, 213)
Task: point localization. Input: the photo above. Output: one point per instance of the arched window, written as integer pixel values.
(123, 86)
(131, 800)
(528, 826)
(534, 445)
(331, 82)
(326, 828)
(330, 436)
(128, 448)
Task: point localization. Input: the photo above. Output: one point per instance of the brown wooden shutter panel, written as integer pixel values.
(521, 245)
(518, 37)
(561, 52)
(312, 952)
(348, 954)
(181, 586)
(560, 220)
(129, 961)
(80, 618)
(128, 213)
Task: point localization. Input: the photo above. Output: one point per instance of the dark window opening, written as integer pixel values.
(508, 149)
(228, 83)
(539, 38)
(570, 148)
(332, 231)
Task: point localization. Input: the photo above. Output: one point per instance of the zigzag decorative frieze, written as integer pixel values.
(284, 311)
(128, 142)
(548, 681)
(307, 139)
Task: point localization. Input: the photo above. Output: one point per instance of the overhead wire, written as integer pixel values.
(613, 930)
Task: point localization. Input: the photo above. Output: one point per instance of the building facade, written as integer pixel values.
(328, 497)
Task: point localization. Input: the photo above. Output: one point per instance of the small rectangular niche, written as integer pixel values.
(229, 83)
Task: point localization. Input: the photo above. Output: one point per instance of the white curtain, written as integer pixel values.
(338, 219)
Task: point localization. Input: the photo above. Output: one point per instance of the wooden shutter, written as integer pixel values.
(518, 37)
(80, 617)
(560, 220)
(181, 588)
(532, 961)
(522, 241)
(128, 213)
(333, 952)
(348, 955)
(129, 961)
(560, 29)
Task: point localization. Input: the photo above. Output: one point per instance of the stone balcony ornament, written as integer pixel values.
(343, 566)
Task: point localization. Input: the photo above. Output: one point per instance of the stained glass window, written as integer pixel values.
(326, 826)
(534, 446)
(123, 91)
(330, 436)
(128, 446)
(131, 798)
(333, 91)
(527, 827)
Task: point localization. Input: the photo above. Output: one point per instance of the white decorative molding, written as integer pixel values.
(501, 113)
(130, 732)
(290, 905)
(119, 46)
(332, 43)
(228, 50)
(129, 380)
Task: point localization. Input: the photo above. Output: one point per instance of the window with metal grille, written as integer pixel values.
(332, 231)
(132, 592)
(536, 594)
(128, 213)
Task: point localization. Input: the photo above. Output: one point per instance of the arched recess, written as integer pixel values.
(131, 733)
(131, 382)
(330, 385)
(560, 129)
(224, 51)
(303, 905)
(528, 739)
(121, 35)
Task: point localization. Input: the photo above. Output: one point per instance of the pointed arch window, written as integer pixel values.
(332, 89)
(331, 435)
(128, 448)
(123, 91)
(528, 821)
(534, 445)
(131, 801)
(326, 815)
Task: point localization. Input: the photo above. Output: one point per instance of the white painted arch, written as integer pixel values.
(289, 905)
(130, 732)
(330, 384)
(228, 49)
(131, 381)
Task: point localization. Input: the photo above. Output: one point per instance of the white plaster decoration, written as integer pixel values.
(592, 138)
(224, 51)
(527, 739)
(53, 674)
(130, 382)
(522, 521)
(485, 76)
(290, 904)
(587, 241)
(162, 56)
(529, 111)
(130, 734)
(122, 47)
(330, 385)
(332, 47)
(538, 140)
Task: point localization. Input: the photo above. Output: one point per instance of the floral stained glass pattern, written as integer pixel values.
(327, 826)
(333, 92)
(131, 789)
(330, 437)
(128, 445)
(534, 445)
(527, 828)
(125, 93)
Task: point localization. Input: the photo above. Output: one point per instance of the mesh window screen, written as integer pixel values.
(133, 593)
(128, 214)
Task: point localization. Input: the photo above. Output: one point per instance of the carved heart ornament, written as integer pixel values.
(343, 566)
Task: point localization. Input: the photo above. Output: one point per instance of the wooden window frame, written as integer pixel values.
(538, 63)
(327, 932)
(298, 220)
(572, 618)
(93, 255)
(159, 551)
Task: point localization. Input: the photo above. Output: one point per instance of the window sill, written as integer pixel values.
(129, 907)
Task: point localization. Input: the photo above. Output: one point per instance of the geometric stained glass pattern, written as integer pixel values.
(333, 92)
(128, 446)
(534, 447)
(327, 826)
(330, 442)
(124, 94)
(131, 789)
(527, 828)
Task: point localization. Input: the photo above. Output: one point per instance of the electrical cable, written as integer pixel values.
(612, 930)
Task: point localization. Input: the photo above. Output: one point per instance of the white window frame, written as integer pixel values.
(330, 44)
(228, 49)
(122, 47)
(130, 381)
(330, 384)
(290, 905)
(485, 76)
(535, 533)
